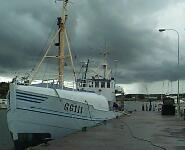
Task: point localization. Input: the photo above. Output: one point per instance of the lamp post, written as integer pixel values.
(178, 100)
(115, 73)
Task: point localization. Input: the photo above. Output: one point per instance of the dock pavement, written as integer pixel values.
(142, 130)
(6, 142)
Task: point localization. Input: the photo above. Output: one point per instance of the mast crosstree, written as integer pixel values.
(62, 36)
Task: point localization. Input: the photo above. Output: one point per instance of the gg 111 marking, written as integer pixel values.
(73, 108)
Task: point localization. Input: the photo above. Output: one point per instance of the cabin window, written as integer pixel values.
(91, 84)
(84, 84)
(97, 84)
(108, 84)
(102, 84)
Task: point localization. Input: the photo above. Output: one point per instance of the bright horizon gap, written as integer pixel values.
(5, 79)
(158, 87)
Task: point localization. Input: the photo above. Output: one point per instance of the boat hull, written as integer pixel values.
(33, 117)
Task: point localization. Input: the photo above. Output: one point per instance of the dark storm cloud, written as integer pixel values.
(22, 32)
(127, 26)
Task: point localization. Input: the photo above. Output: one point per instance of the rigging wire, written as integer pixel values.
(75, 57)
(78, 75)
(168, 90)
(47, 50)
(45, 70)
(71, 57)
(171, 87)
(50, 35)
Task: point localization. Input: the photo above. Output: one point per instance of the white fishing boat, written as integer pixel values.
(100, 82)
(36, 113)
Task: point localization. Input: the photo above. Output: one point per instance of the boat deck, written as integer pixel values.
(138, 131)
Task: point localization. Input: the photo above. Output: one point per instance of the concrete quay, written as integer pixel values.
(138, 131)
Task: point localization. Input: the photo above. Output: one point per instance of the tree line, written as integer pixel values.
(4, 87)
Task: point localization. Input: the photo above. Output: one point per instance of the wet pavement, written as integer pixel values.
(138, 131)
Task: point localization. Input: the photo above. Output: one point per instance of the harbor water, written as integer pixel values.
(6, 142)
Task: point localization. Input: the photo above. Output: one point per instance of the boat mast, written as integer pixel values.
(86, 69)
(105, 65)
(62, 43)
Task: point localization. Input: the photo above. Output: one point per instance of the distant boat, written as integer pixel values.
(36, 113)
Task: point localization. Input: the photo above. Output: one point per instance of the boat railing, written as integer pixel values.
(95, 83)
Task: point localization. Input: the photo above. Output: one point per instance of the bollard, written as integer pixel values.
(143, 107)
(84, 129)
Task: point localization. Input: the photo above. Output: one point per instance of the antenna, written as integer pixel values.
(116, 65)
(105, 54)
(86, 69)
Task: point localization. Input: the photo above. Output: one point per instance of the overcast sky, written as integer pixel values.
(129, 27)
